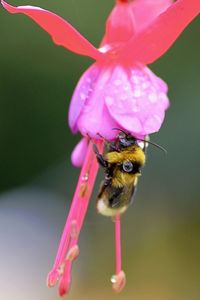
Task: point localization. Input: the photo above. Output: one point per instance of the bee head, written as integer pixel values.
(125, 139)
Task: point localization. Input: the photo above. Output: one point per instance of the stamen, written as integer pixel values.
(118, 243)
(75, 219)
(118, 280)
(65, 280)
(73, 253)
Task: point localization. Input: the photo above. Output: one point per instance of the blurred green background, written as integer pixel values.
(160, 232)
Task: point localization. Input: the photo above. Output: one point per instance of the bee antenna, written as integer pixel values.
(120, 130)
(154, 144)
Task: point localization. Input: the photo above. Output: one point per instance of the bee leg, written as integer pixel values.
(99, 157)
(113, 147)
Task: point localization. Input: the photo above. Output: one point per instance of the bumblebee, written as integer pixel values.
(122, 165)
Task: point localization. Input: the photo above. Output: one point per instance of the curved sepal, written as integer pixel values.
(62, 33)
(150, 44)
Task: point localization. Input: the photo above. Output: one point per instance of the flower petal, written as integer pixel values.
(139, 100)
(145, 11)
(81, 94)
(93, 118)
(62, 33)
(79, 153)
(152, 43)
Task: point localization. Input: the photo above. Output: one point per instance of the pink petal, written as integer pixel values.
(94, 117)
(152, 43)
(62, 33)
(81, 94)
(136, 99)
(79, 152)
(145, 11)
(130, 98)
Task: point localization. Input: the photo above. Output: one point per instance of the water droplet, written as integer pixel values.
(145, 85)
(83, 96)
(113, 279)
(117, 82)
(88, 80)
(120, 105)
(109, 100)
(152, 97)
(135, 108)
(137, 93)
(126, 87)
(123, 97)
(135, 79)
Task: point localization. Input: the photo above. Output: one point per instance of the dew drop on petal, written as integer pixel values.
(137, 93)
(135, 79)
(123, 97)
(152, 97)
(135, 108)
(145, 85)
(126, 87)
(88, 80)
(83, 96)
(117, 82)
(109, 100)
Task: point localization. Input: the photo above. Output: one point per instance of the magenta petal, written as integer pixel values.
(81, 94)
(153, 42)
(145, 11)
(62, 33)
(138, 100)
(93, 118)
(79, 152)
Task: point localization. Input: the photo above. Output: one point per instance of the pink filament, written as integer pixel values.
(75, 218)
(118, 243)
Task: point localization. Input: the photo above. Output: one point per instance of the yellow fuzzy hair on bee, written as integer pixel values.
(133, 153)
(121, 179)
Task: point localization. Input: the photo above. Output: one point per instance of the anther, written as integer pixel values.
(73, 253)
(118, 282)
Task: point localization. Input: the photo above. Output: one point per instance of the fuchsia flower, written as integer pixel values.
(118, 90)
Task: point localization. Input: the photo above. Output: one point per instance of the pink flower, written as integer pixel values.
(118, 90)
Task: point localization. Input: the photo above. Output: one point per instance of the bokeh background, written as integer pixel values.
(160, 231)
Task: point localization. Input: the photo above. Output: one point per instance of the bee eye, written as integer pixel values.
(127, 166)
